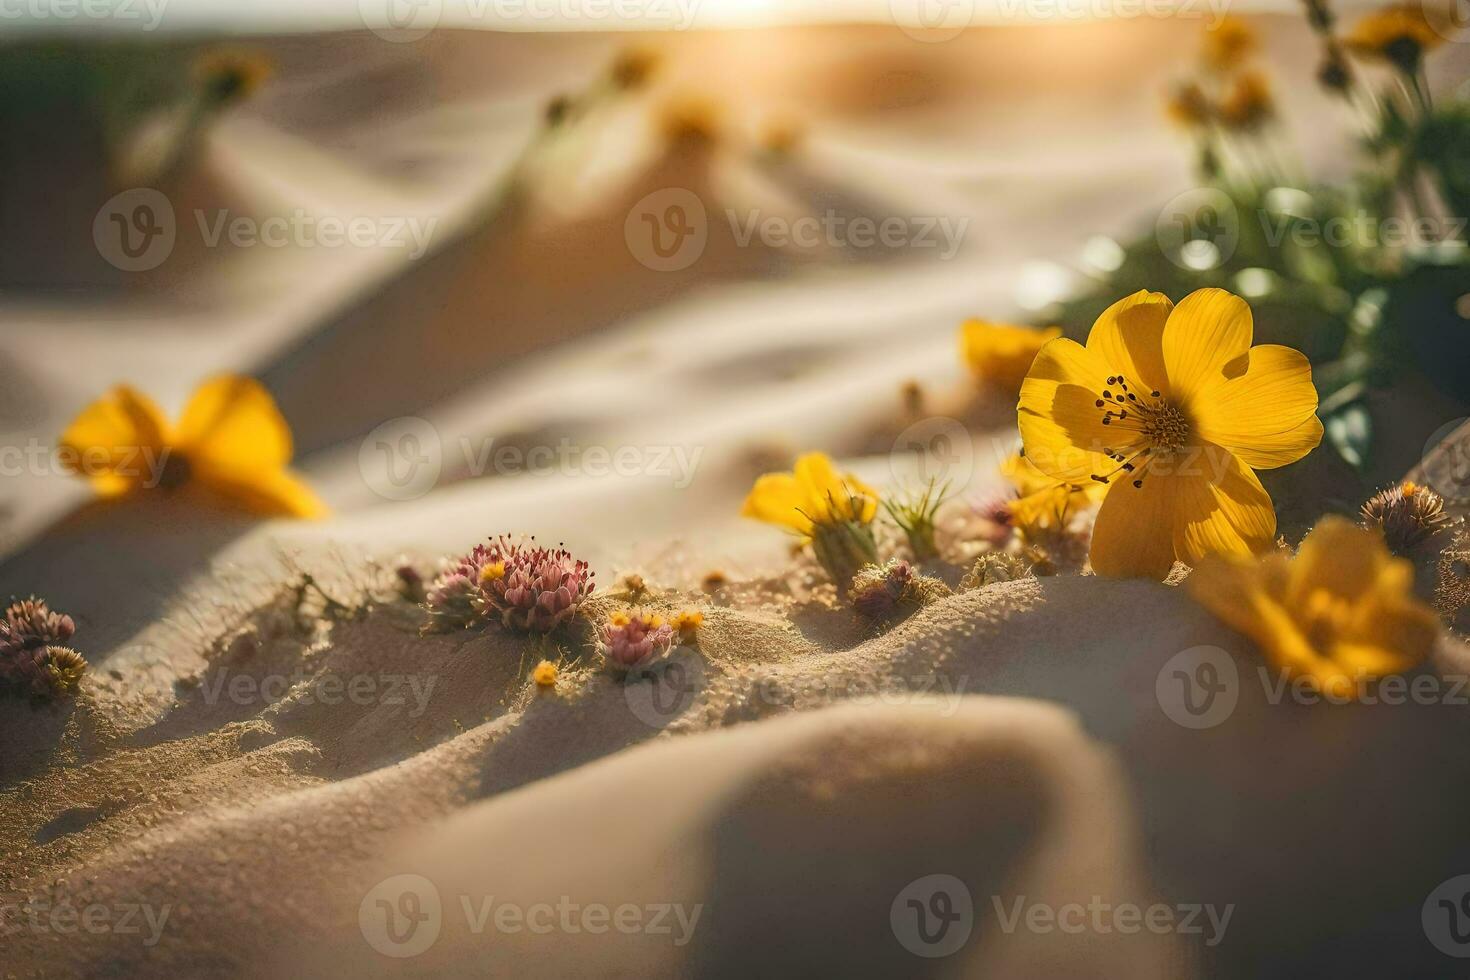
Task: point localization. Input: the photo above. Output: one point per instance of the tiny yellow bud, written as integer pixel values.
(688, 621)
(619, 618)
(545, 674)
(493, 572)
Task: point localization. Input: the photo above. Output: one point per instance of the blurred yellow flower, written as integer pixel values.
(1342, 612)
(1247, 103)
(691, 121)
(688, 622)
(228, 74)
(1000, 352)
(1187, 106)
(545, 674)
(1399, 34)
(1042, 501)
(1170, 408)
(810, 496)
(1228, 43)
(231, 440)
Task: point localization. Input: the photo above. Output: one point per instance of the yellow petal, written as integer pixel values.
(117, 441)
(233, 423)
(1222, 510)
(1061, 425)
(777, 499)
(1266, 415)
(1133, 536)
(1187, 508)
(1207, 332)
(1238, 591)
(269, 492)
(1001, 352)
(1338, 556)
(829, 496)
(1128, 338)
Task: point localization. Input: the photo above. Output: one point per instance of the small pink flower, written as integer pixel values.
(633, 640)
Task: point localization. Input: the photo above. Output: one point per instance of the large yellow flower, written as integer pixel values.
(1342, 612)
(231, 440)
(1171, 409)
(1001, 353)
(813, 494)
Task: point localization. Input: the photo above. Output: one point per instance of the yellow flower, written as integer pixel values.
(229, 74)
(688, 622)
(1187, 106)
(493, 572)
(1172, 410)
(1228, 43)
(1001, 353)
(231, 439)
(1248, 103)
(1399, 34)
(545, 674)
(619, 618)
(1342, 612)
(812, 495)
(1042, 502)
(691, 121)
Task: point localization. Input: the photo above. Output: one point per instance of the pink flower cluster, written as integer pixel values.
(633, 640)
(33, 661)
(523, 586)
